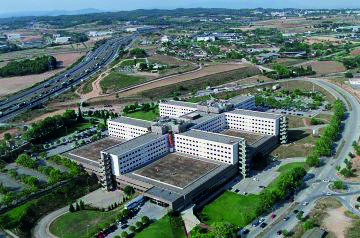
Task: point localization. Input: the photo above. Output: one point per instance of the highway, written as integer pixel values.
(92, 63)
(316, 187)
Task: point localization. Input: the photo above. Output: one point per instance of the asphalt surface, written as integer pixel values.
(316, 188)
(94, 62)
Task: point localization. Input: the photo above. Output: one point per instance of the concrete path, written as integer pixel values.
(189, 219)
(42, 228)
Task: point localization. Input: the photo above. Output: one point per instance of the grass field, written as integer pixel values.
(238, 209)
(296, 121)
(233, 208)
(287, 167)
(147, 116)
(161, 229)
(132, 62)
(116, 81)
(74, 225)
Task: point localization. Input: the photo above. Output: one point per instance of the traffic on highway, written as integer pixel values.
(92, 63)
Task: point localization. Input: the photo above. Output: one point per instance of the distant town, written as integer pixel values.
(198, 122)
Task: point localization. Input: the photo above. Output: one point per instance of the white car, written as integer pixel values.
(261, 220)
(305, 203)
(326, 180)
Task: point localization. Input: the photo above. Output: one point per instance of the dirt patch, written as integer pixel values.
(13, 132)
(325, 67)
(336, 222)
(14, 84)
(356, 52)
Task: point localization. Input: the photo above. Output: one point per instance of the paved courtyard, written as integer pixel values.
(102, 199)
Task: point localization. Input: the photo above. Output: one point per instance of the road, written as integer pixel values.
(316, 188)
(42, 228)
(94, 62)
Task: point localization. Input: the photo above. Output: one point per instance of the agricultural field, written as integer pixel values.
(211, 75)
(13, 84)
(168, 60)
(116, 81)
(325, 67)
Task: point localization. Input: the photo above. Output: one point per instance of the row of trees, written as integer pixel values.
(74, 169)
(50, 126)
(27, 66)
(352, 62)
(145, 107)
(323, 145)
(78, 206)
(54, 175)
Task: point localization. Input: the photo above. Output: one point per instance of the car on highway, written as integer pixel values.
(326, 180)
(328, 194)
(261, 219)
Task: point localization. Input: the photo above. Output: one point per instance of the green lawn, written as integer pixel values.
(132, 62)
(74, 225)
(238, 209)
(147, 116)
(75, 127)
(233, 208)
(287, 167)
(161, 229)
(116, 81)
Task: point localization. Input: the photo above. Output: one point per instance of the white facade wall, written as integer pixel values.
(215, 124)
(125, 131)
(174, 111)
(260, 125)
(132, 159)
(207, 149)
(248, 104)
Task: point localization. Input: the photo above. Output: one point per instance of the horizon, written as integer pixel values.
(127, 5)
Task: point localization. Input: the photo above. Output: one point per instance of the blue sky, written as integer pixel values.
(46, 5)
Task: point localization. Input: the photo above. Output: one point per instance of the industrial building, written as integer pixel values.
(191, 151)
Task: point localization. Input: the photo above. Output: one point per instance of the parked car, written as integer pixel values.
(255, 224)
(296, 211)
(263, 225)
(273, 215)
(279, 232)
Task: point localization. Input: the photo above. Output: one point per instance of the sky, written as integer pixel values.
(116, 5)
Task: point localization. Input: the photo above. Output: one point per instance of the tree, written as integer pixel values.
(128, 190)
(145, 220)
(313, 160)
(223, 230)
(79, 116)
(71, 208)
(124, 234)
(78, 208)
(338, 184)
(349, 75)
(43, 155)
(139, 224)
(7, 136)
(132, 229)
(309, 224)
(82, 205)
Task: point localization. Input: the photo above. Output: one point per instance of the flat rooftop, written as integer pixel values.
(131, 144)
(250, 137)
(132, 121)
(255, 114)
(179, 103)
(176, 170)
(92, 151)
(210, 136)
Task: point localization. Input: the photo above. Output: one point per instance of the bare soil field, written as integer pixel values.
(325, 67)
(14, 84)
(323, 39)
(356, 52)
(336, 222)
(213, 69)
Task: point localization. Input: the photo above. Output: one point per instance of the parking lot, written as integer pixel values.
(10, 183)
(103, 199)
(26, 171)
